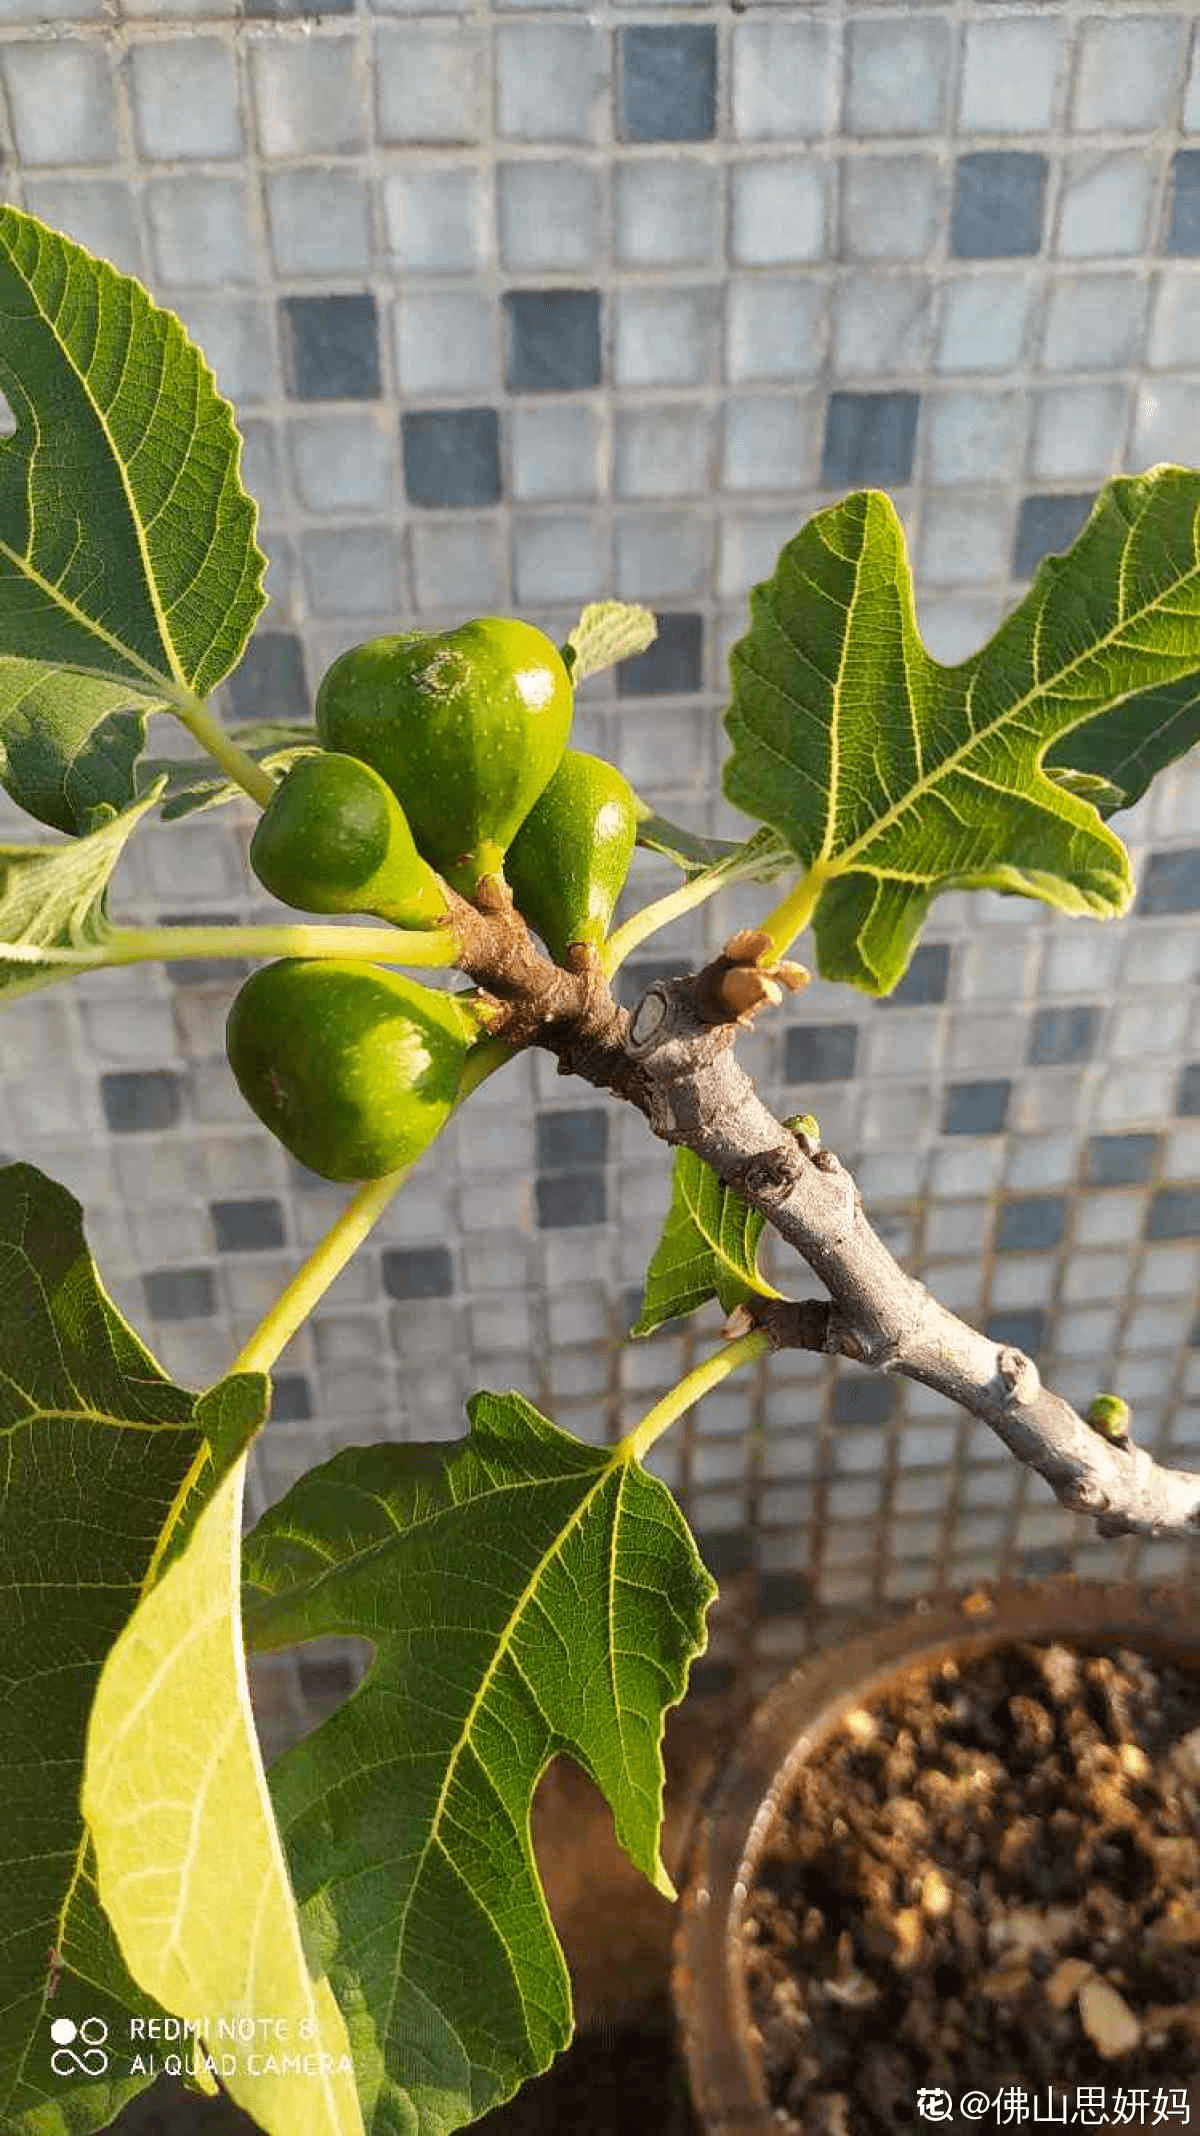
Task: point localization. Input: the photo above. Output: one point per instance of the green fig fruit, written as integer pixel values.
(353, 1067)
(334, 838)
(568, 862)
(467, 727)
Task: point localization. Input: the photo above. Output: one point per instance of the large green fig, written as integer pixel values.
(353, 1067)
(467, 727)
(334, 838)
(568, 862)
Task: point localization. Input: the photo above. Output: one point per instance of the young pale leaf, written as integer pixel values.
(195, 783)
(708, 1248)
(96, 1445)
(759, 858)
(525, 1594)
(189, 1865)
(607, 631)
(893, 777)
(129, 573)
(53, 922)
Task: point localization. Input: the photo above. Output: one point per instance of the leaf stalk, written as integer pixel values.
(206, 729)
(699, 1381)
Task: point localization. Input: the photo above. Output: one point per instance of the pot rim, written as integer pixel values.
(708, 1985)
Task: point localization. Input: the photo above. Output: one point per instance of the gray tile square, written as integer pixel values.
(1011, 71)
(1183, 237)
(235, 334)
(342, 463)
(431, 84)
(417, 1272)
(668, 81)
(1175, 320)
(672, 667)
(966, 537)
(547, 215)
(554, 342)
(248, 1226)
(179, 1293)
(1060, 1036)
(268, 683)
(559, 556)
(185, 99)
(63, 102)
(319, 222)
(897, 74)
(783, 80)
(436, 220)
(201, 231)
(96, 212)
(552, 81)
(138, 1101)
(662, 452)
(778, 211)
(869, 440)
(771, 441)
(459, 565)
(891, 206)
(1094, 322)
(1031, 1224)
(1047, 525)
(775, 328)
(1166, 426)
(1128, 73)
(452, 456)
(881, 324)
(1170, 883)
(445, 341)
(554, 451)
(1078, 430)
(661, 555)
(1120, 1160)
(572, 1136)
(308, 96)
(978, 1108)
(667, 211)
(819, 1053)
(350, 571)
(1105, 203)
(973, 436)
(666, 336)
(1174, 1214)
(330, 347)
(984, 322)
(999, 196)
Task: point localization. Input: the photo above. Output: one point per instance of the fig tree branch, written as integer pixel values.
(673, 1058)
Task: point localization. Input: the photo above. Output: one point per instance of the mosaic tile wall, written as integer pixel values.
(530, 306)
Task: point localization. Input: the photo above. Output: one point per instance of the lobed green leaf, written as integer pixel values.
(708, 1248)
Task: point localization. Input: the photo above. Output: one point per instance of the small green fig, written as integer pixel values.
(334, 838)
(353, 1067)
(467, 727)
(568, 862)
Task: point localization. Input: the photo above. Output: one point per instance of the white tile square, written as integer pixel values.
(891, 206)
(749, 548)
(319, 222)
(666, 336)
(662, 452)
(1128, 73)
(554, 451)
(984, 320)
(973, 436)
(436, 221)
(778, 211)
(342, 463)
(185, 99)
(775, 328)
(459, 566)
(881, 325)
(547, 215)
(96, 212)
(431, 84)
(1105, 203)
(201, 231)
(1191, 100)
(667, 211)
(445, 341)
(308, 95)
(897, 74)
(62, 101)
(552, 81)
(965, 538)
(559, 556)
(783, 81)
(665, 554)
(1175, 320)
(771, 442)
(350, 571)
(1079, 430)
(1094, 322)
(1010, 75)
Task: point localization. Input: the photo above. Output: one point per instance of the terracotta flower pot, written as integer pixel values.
(721, 2047)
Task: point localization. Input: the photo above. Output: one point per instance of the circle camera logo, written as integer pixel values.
(89, 2059)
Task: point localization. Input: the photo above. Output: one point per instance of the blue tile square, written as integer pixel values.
(869, 440)
(669, 81)
(999, 196)
(977, 1108)
(1174, 1214)
(672, 666)
(1058, 1036)
(1183, 236)
(248, 1226)
(1170, 883)
(819, 1053)
(330, 347)
(1032, 1224)
(140, 1100)
(1120, 1160)
(452, 456)
(553, 340)
(1047, 525)
(179, 1293)
(291, 1398)
(860, 1400)
(1189, 1090)
(568, 1200)
(926, 979)
(417, 1272)
(269, 681)
(572, 1136)
(1024, 1329)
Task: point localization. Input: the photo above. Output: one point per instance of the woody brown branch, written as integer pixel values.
(673, 1058)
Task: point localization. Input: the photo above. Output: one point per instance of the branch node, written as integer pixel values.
(1019, 1376)
(771, 1175)
(825, 1160)
(740, 1322)
(650, 1019)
